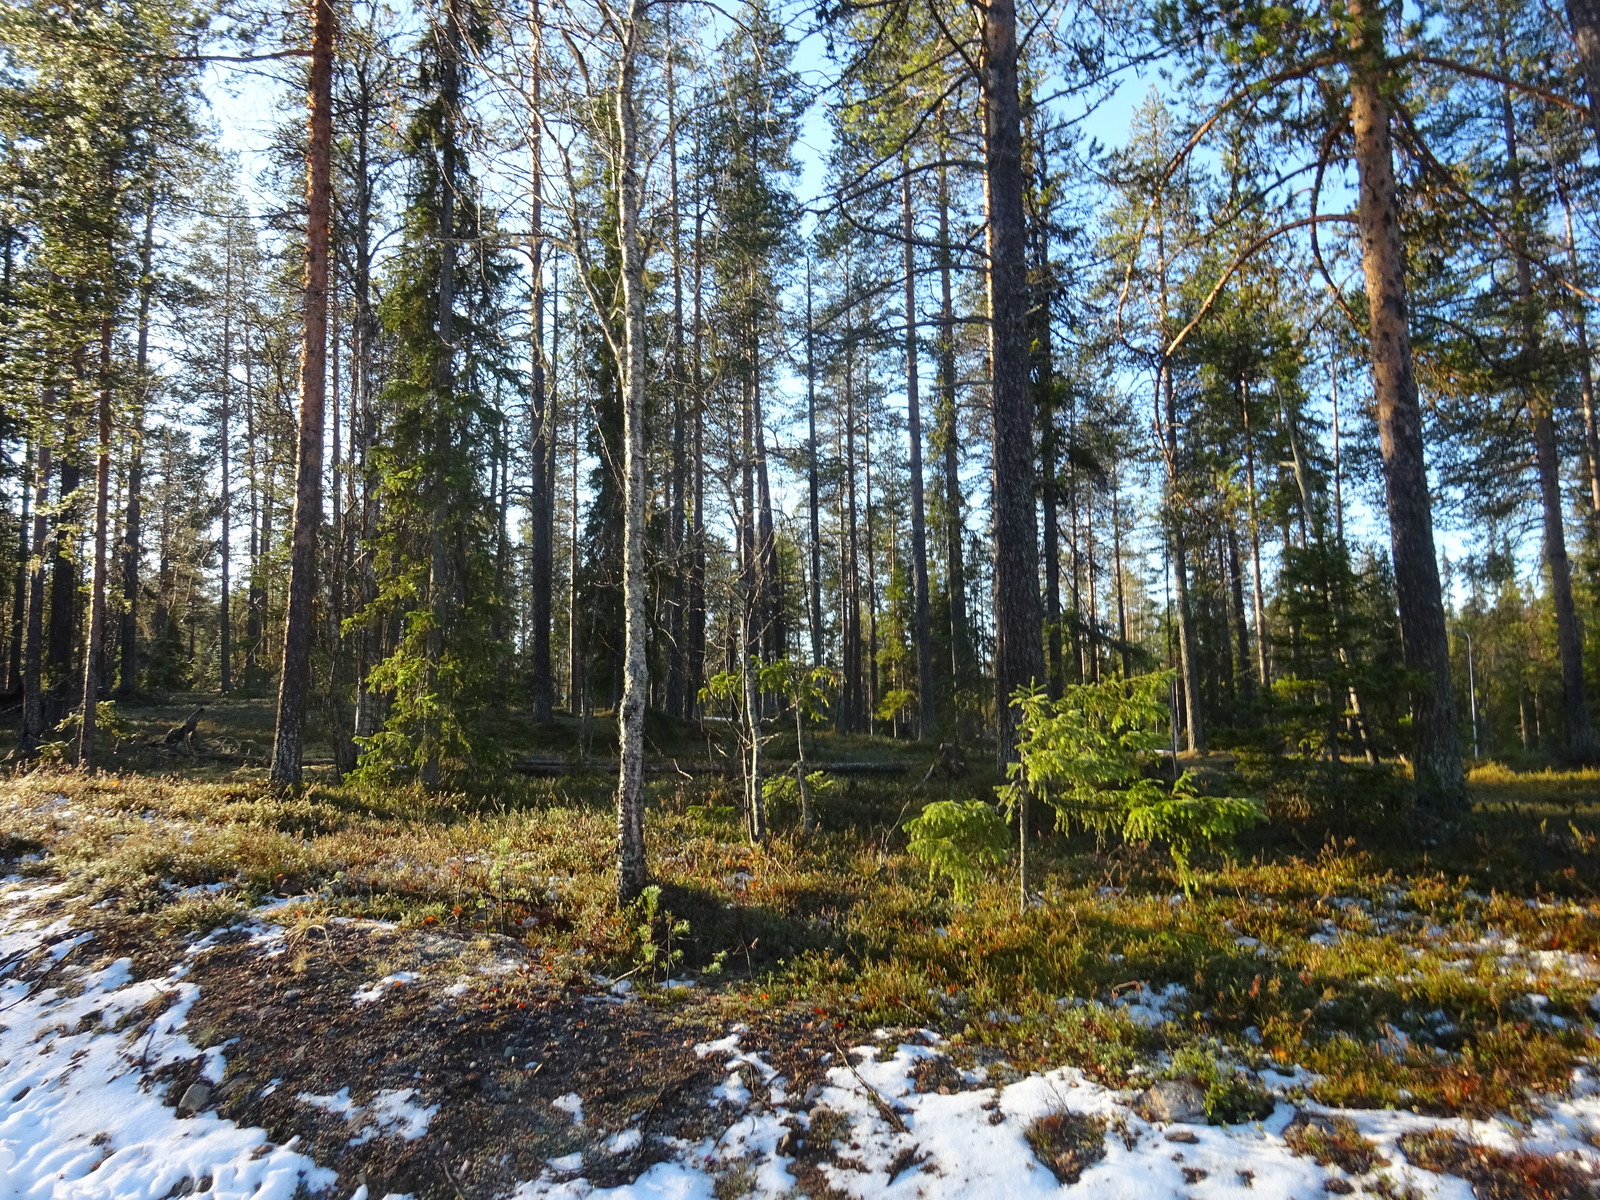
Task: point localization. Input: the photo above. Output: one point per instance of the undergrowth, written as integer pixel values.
(1439, 970)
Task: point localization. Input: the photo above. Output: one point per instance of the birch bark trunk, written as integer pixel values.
(636, 682)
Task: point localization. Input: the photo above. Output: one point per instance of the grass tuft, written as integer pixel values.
(1067, 1142)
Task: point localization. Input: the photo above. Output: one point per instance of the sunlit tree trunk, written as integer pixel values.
(133, 514)
(1436, 758)
(294, 683)
(95, 639)
(32, 728)
(636, 682)
(921, 616)
(950, 453)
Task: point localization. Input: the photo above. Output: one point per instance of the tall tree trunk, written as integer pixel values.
(678, 701)
(224, 622)
(1591, 432)
(574, 645)
(133, 518)
(19, 600)
(1018, 653)
(64, 581)
(1584, 16)
(1054, 671)
(1116, 565)
(1188, 667)
(871, 664)
(636, 682)
(774, 638)
(813, 482)
(294, 684)
(1075, 543)
(1258, 599)
(441, 576)
(94, 641)
(255, 600)
(1338, 462)
(1240, 628)
(696, 637)
(850, 701)
(950, 451)
(921, 615)
(541, 495)
(1437, 754)
(754, 530)
(32, 728)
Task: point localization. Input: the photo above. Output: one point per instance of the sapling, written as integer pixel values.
(1086, 755)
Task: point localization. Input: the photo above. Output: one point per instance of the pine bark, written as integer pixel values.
(1018, 651)
(950, 454)
(921, 614)
(1581, 746)
(1584, 17)
(294, 685)
(133, 513)
(1436, 756)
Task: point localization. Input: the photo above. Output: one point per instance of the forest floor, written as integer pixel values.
(208, 988)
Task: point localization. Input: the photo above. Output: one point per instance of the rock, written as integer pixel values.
(788, 1144)
(1175, 1101)
(195, 1097)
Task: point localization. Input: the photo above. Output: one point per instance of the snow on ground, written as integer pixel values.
(973, 1143)
(77, 1121)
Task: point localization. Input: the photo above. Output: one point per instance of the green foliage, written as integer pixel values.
(782, 792)
(108, 718)
(1088, 754)
(1230, 1096)
(653, 951)
(437, 536)
(808, 686)
(958, 839)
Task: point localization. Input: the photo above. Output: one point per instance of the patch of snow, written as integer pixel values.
(339, 1104)
(373, 992)
(572, 1104)
(75, 1118)
(625, 1142)
(962, 1151)
(1149, 1006)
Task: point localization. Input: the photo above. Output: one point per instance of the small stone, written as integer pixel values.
(788, 1144)
(195, 1097)
(1174, 1101)
(1183, 1137)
